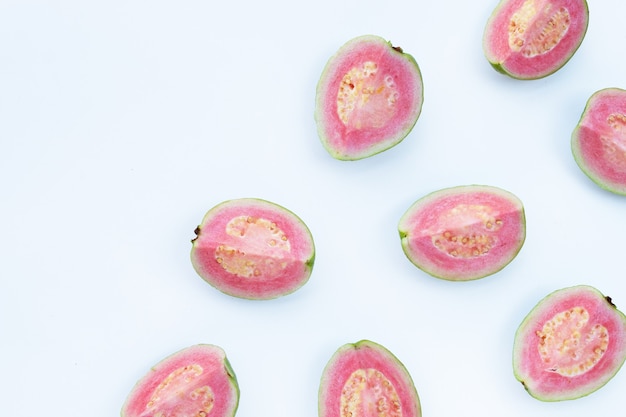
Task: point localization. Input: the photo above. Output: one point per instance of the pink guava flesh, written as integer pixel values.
(368, 99)
(197, 381)
(530, 39)
(364, 379)
(570, 344)
(254, 249)
(599, 140)
(463, 233)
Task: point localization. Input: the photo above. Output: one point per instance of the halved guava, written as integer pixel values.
(364, 379)
(570, 344)
(252, 248)
(530, 39)
(599, 140)
(463, 233)
(197, 381)
(368, 99)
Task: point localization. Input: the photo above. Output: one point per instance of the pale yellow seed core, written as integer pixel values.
(172, 399)
(368, 393)
(470, 231)
(534, 31)
(614, 142)
(263, 244)
(568, 345)
(366, 98)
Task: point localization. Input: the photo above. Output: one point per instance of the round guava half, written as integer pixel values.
(463, 233)
(531, 39)
(197, 381)
(364, 379)
(599, 140)
(368, 99)
(570, 344)
(252, 248)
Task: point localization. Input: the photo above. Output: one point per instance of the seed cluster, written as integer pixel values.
(614, 142)
(617, 121)
(242, 264)
(367, 392)
(200, 400)
(273, 236)
(474, 235)
(546, 33)
(365, 98)
(246, 260)
(567, 347)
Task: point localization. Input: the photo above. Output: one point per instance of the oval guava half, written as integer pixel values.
(252, 248)
(570, 344)
(364, 379)
(531, 39)
(599, 140)
(463, 233)
(197, 381)
(368, 98)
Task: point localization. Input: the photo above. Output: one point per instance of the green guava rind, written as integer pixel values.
(211, 233)
(423, 219)
(349, 145)
(217, 374)
(546, 385)
(592, 134)
(514, 64)
(365, 354)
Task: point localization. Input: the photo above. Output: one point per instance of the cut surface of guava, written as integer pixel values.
(368, 98)
(599, 140)
(364, 379)
(463, 233)
(197, 381)
(570, 344)
(252, 248)
(531, 39)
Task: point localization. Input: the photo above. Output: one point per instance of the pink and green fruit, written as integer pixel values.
(364, 379)
(570, 344)
(463, 233)
(368, 99)
(196, 381)
(530, 39)
(252, 248)
(599, 140)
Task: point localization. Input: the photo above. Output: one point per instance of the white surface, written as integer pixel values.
(123, 122)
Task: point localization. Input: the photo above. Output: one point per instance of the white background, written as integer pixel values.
(123, 121)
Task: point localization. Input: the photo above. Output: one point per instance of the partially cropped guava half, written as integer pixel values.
(197, 381)
(365, 379)
(368, 98)
(531, 39)
(570, 344)
(599, 140)
(463, 233)
(253, 248)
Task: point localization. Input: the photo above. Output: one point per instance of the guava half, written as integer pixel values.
(364, 379)
(531, 39)
(252, 248)
(197, 381)
(570, 344)
(463, 233)
(599, 140)
(368, 99)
